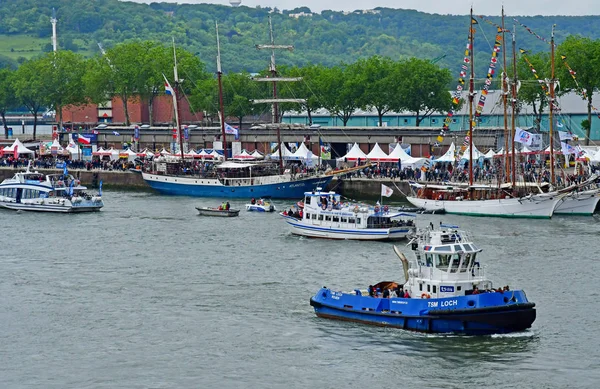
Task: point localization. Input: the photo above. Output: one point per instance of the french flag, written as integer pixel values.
(84, 139)
(168, 88)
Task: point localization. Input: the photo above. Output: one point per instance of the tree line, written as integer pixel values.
(326, 38)
(134, 71)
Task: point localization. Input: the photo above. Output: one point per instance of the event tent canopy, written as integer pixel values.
(303, 153)
(354, 154)
(448, 155)
(378, 155)
(21, 149)
(406, 160)
(244, 155)
(476, 153)
(257, 154)
(285, 153)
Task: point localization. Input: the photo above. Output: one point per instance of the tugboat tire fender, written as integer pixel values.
(425, 296)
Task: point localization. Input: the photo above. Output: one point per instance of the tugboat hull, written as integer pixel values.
(485, 317)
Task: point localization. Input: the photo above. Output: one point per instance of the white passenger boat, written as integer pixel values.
(34, 191)
(325, 216)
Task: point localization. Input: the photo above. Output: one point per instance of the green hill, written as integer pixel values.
(327, 38)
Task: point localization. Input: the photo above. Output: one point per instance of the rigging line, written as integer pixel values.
(485, 36)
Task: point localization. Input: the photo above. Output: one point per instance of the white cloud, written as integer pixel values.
(455, 7)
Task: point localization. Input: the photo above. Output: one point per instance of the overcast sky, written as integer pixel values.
(455, 7)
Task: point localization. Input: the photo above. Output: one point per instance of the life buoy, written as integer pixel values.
(376, 209)
(425, 296)
(385, 208)
(356, 209)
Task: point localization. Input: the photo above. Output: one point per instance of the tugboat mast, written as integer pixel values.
(471, 98)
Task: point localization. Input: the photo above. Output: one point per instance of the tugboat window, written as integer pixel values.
(321, 217)
(428, 288)
(336, 219)
(443, 260)
(434, 289)
(314, 217)
(327, 218)
(351, 220)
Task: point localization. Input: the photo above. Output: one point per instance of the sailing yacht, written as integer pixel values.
(232, 179)
(483, 200)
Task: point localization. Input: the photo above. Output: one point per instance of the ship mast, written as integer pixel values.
(471, 98)
(274, 79)
(221, 105)
(550, 117)
(176, 99)
(514, 108)
(505, 101)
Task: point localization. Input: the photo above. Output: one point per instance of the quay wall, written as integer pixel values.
(355, 188)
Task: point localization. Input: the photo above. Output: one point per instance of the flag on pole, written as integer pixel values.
(522, 136)
(232, 130)
(84, 139)
(168, 88)
(563, 135)
(386, 191)
(16, 151)
(567, 148)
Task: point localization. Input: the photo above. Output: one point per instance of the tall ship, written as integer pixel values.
(231, 179)
(485, 200)
(59, 193)
(445, 290)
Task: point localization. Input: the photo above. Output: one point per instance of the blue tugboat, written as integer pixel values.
(445, 291)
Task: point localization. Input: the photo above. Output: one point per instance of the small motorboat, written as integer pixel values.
(445, 291)
(208, 211)
(260, 205)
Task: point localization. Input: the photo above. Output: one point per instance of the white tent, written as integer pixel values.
(129, 154)
(164, 152)
(244, 155)
(256, 154)
(448, 155)
(56, 146)
(378, 155)
(21, 149)
(101, 152)
(285, 153)
(204, 155)
(476, 153)
(145, 153)
(490, 154)
(406, 160)
(215, 154)
(303, 153)
(354, 154)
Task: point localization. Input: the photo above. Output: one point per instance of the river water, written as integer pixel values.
(145, 294)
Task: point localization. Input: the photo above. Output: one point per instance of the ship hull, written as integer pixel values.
(301, 228)
(198, 187)
(578, 204)
(537, 207)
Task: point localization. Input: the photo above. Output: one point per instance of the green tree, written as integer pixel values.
(307, 88)
(377, 77)
(29, 85)
(121, 72)
(532, 92)
(62, 75)
(422, 88)
(582, 55)
(8, 100)
(342, 89)
(158, 62)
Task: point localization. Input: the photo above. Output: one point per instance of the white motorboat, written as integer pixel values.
(34, 191)
(324, 215)
(260, 205)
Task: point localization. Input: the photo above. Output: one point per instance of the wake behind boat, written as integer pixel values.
(34, 191)
(445, 291)
(324, 215)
